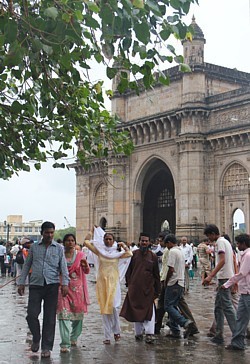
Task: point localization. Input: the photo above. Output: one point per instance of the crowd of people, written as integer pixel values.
(13, 256)
(157, 276)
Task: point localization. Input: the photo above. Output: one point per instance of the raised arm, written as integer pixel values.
(91, 247)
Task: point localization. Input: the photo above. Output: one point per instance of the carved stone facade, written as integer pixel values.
(190, 165)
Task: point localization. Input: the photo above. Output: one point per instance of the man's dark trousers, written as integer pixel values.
(49, 294)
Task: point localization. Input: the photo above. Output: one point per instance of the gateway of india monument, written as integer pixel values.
(191, 160)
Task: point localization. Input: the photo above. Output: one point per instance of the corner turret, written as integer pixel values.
(193, 51)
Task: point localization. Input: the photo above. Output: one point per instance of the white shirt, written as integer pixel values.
(176, 260)
(2, 250)
(188, 253)
(15, 249)
(223, 246)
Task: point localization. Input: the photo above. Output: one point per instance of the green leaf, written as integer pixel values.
(185, 68)
(154, 7)
(51, 12)
(111, 72)
(176, 4)
(10, 31)
(142, 32)
(47, 49)
(171, 48)
(78, 15)
(106, 14)
(165, 33)
(93, 7)
(16, 107)
(25, 167)
(2, 40)
(66, 17)
(66, 61)
(37, 166)
(139, 4)
(36, 45)
(164, 79)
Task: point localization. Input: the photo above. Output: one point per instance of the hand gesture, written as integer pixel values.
(21, 289)
(207, 280)
(64, 290)
(84, 263)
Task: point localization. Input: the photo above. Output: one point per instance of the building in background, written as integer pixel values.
(14, 228)
(191, 162)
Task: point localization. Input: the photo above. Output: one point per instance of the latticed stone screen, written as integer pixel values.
(236, 179)
(165, 199)
(101, 197)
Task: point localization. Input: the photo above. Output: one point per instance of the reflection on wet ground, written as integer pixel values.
(15, 338)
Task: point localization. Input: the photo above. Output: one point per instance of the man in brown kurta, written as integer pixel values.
(143, 282)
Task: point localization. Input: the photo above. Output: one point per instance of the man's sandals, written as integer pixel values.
(117, 337)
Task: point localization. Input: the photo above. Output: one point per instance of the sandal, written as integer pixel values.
(73, 343)
(106, 342)
(64, 350)
(117, 337)
(45, 354)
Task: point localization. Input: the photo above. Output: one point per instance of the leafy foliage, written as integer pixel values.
(46, 50)
(59, 234)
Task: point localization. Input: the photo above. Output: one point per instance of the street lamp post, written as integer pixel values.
(233, 228)
(7, 230)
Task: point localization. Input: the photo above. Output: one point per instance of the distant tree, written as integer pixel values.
(46, 50)
(239, 231)
(59, 234)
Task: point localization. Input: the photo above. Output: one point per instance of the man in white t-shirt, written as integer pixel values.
(174, 283)
(224, 269)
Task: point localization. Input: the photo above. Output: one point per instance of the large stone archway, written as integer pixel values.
(157, 198)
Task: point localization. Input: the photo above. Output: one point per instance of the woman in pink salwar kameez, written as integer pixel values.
(71, 309)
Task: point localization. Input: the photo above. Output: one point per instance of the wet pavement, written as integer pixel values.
(15, 338)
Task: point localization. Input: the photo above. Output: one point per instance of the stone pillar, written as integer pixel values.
(118, 197)
(83, 221)
(191, 188)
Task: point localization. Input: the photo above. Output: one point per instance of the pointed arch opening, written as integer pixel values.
(239, 225)
(158, 196)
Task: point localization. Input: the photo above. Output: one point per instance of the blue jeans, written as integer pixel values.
(172, 297)
(223, 306)
(243, 317)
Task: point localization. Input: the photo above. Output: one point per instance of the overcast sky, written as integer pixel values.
(50, 193)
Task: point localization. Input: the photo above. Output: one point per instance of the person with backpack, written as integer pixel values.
(21, 256)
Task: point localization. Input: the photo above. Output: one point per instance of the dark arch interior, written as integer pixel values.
(103, 223)
(159, 199)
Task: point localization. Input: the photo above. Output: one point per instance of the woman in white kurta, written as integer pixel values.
(111, 265)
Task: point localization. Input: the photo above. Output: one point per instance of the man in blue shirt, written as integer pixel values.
(47, 262)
